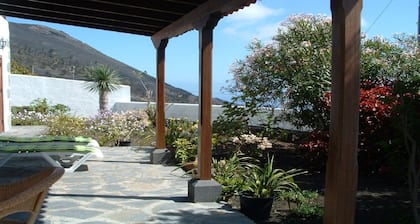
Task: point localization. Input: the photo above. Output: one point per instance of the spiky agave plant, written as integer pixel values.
(265, 181)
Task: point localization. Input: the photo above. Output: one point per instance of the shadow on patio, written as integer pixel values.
(125, 188)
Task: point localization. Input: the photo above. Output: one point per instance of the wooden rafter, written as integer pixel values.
(197, 16)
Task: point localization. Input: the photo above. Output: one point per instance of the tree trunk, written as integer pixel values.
(103, 100)
(413, 172)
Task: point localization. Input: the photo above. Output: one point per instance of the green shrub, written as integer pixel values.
(177, 128)
(309, 210)
(37, 113)
(306, 202)
(67, 125)
(186, 149)
(42, 106)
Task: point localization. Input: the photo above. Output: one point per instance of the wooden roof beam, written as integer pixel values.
(83, 14)
(201, 13)
(73, 22)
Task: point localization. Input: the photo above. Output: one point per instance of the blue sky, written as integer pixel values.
(232, 35)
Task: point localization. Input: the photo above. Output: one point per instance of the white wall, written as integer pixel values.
(190, 111)
(24, 89)
(172, 110)
(72, 93)
(5, 53)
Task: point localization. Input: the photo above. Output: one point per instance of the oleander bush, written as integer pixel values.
(111, 128)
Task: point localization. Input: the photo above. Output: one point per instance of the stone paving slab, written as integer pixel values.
(123, 187)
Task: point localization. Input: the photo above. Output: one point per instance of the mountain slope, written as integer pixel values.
(49, 52)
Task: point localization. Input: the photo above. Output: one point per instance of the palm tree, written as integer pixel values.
(102, 80)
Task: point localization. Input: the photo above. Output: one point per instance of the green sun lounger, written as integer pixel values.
(70, 152)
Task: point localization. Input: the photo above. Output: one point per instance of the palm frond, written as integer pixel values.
(102, 79)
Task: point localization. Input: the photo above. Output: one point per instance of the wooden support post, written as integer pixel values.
(160, 96)
(342, 168)
(205, 99)
(2, 96)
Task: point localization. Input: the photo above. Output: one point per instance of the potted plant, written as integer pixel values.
(261, 186)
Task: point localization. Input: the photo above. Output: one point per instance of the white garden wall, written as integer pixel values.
(72, 93)
(24, 89)
(190, 111)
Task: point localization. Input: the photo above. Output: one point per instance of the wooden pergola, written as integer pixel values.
(164, 19)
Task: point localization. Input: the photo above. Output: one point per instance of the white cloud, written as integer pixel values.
(264, 32)
(255, 21)
(364, 23)
(267, 31)
(254, 13)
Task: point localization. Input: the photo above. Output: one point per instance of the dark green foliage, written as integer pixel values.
(306, 202)
(17, 68)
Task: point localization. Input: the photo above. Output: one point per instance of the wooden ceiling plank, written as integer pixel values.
(119, 9)
(84, 12)
(154, 6)
(68, 21)
(186, 23)
(187, 2)
(82, 17)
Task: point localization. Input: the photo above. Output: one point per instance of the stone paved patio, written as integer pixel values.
(123, 187)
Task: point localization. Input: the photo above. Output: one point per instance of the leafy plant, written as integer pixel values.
(228, 172)
(306, 202)
(186, 149)
(266, 181)
(309, 210)
(177, 128)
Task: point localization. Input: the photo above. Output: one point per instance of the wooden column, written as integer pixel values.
(205, 99)
(2, 96)
(342, 168)
(160, 96)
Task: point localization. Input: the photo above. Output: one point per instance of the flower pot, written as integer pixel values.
(256, 208)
